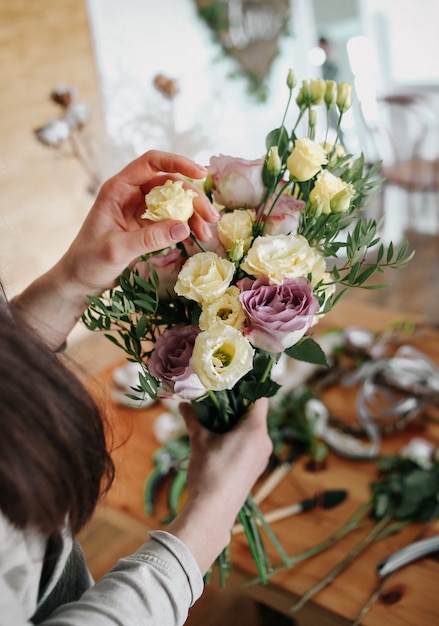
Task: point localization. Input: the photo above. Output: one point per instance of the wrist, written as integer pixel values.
(205, 529)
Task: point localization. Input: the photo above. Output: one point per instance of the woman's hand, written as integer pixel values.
(112, 237)
(222, 470)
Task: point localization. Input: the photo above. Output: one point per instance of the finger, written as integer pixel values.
(156, 236)
(189, 416)
(139, 171)
(200, 228)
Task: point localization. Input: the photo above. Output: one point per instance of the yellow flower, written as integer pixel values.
(273, 161)
(330, 194)
(235, 230)
(317, 87)
(344, 96)
(330, 93)
(227, 309)
(169, 202)
(291, 79)
(306, 159)
(283, 256)
(204, 277)
(221, 356)
(336, 150)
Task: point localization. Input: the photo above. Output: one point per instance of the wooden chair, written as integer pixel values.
(406, 139)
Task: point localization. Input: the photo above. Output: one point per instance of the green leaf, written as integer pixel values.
(307, 350)
(278, 137)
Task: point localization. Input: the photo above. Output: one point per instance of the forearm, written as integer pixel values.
(51, 305)
(204, 528)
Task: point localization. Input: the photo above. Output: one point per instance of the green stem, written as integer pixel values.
(344, 563)
(287, 561)
(352, 524)
(260, 563)
(195, 240)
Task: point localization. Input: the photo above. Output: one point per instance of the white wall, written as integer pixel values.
(137, 39)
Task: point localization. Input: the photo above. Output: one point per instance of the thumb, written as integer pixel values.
(156, 236)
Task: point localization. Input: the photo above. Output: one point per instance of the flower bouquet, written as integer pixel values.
(208, 322)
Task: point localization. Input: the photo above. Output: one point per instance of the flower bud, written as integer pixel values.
(344, 100)
(317, 89)
(330, 93)
(291, 79)
(274, 162)
(312, 118)
(236, 252)
(340, 202)
(303, 99)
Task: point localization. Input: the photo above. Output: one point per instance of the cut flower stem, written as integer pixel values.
(352, 524)
(344, 563)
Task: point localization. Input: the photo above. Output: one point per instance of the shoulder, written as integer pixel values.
(21, 562)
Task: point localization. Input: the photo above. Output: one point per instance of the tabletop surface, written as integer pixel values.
(408, 597)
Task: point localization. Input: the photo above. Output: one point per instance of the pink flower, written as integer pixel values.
(167, 265)
(170, 363)
(284, 218)
(237, 183)
(277, 315)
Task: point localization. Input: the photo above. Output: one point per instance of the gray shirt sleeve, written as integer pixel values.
(155, 586)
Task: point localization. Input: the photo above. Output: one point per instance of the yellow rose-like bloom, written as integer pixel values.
(330, 194)
(317, 87)
(330, 93)
(234, 227)
(273, 161)
(226, 309)
(169, 202)
(306, 159)
(344, 96)
(204, 277)
(221, 356)
(283, 256)
(336, 150)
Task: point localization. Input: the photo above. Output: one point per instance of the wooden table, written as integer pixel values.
(410, 596)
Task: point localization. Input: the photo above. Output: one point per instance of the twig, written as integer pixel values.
(352, 524)
(344, 563)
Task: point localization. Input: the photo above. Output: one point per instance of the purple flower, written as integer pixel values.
(277, 315)
(170, 363)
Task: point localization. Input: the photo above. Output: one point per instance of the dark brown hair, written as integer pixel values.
(54, 462)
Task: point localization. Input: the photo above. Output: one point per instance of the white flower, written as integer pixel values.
(227, 309)
(54, 133)
(221, 357)
(283, 256)
(236, 226)
(419, 451)
(169, 202)
(204, 277)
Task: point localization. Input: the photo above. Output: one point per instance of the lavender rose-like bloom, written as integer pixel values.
(277, 315)
(237, 183)
(170, 363)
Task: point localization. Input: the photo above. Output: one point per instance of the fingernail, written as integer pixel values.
(179, 231)
(214, 213)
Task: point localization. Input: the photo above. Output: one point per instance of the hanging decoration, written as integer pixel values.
(250, 32)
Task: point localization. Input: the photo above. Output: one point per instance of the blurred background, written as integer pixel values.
(200, 77)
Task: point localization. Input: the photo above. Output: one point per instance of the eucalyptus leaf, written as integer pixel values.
(307, 350)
